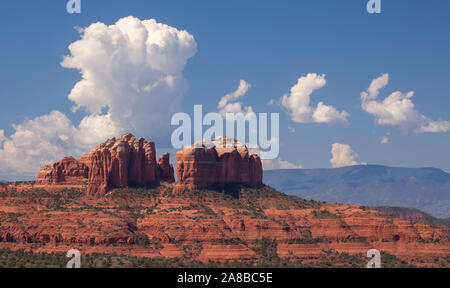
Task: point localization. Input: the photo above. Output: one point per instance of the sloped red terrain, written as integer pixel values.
(208, 225)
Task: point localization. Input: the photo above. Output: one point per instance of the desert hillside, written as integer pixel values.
(231, 225)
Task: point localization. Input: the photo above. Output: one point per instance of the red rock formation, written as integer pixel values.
(116, 163)
(165, 169)
(255, 171)
(212, 163)
(66, 171)
(86, 159)
(120, 163)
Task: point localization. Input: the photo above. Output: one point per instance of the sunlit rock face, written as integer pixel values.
(222, 161)
(116, 163)
(66, 171)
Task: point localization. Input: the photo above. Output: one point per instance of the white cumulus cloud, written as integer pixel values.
(343, 155)
(133, 70)
(46, 139)
(398, 110)
(297, 103)
(229, 103)
(279, 163)
(94, 129)
(37, 141)
(131, 81)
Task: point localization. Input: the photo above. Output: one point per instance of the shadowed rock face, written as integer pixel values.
(116, 163)
(165, 169)
(201, 166)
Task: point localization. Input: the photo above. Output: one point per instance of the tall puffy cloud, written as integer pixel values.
(131, 81)
(398, 110)
(94, 129)
(279, 163)
(343, 155)
(133, 70)
(229, 104)
(297, 103)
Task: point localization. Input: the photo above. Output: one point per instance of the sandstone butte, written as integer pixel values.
(222, 161)
(116, 163)
(203, 224)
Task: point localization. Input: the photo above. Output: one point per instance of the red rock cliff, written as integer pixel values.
(116, 163)
(165, 169)
(66, 171)
(218, 163)
(121, 163)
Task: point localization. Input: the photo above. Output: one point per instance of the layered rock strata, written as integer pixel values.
(218, 162)
(68, 170)
(116, 163)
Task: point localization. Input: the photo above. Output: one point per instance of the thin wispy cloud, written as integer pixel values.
(279, 163)
(386, 138)
(230, 104)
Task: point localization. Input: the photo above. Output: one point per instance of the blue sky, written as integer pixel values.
(269, 44)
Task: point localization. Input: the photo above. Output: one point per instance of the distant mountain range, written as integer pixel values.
(427, 189)
(413, 215)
